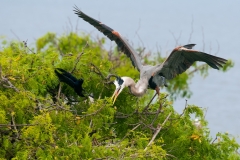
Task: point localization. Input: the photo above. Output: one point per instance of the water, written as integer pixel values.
(213, 25)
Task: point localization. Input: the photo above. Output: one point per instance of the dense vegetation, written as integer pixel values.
(40, 119)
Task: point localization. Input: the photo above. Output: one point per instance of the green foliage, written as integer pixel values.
(40, 119)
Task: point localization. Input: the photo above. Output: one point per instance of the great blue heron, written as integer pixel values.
(69, 79)
(180, 59)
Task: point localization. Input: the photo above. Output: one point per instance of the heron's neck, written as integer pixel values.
(136, 89)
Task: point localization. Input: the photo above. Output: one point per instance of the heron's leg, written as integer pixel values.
(157, 90)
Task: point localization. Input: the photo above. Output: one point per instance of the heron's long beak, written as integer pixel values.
(115, 94)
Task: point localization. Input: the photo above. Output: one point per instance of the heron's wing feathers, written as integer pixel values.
(78, 88)
(183, 57)
(66, 77)
(122, 43)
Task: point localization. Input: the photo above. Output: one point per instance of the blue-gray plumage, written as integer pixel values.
(180, 59)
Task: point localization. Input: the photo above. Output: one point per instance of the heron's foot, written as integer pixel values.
(157, 90)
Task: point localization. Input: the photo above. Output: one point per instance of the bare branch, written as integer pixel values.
(122, 115)
(218, 48)
(171, 155)
(70, 23)
(76, 28)
(197, 69)
(190, 36)
(205, 113)
(129, 132)
(78, 58)
(59, 91)
(214, 140)
(149, 126)
(94, 113)
(14, 126)
(1, 71)
(108, 78)
(149, 103)
(98, 70)
(17, 125)
(158, 130)
(136, 33)
(5, 80)
(15, 35)
(176, 39)
(203, 39)
(25, 45)
(158, 111)
(184, 108)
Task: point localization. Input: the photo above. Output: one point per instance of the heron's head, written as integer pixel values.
(120, 84)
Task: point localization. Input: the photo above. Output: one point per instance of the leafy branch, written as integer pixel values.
(5, 81)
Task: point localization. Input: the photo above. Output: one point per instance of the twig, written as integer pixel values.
(203, 39)
(125, 115)
(176, 39)
(60, 107)
(158, 130)
(182, 112)
(110, 52)
(14, 126)
(76, 28)
(197, 69)
(150, 113)
(10, 85)
(17, 125)
(158, 111)
(5, 80)
(25, 45)
(205, 113)
(184, 108)
(98, 70)
(218, 48)
(136, 33)
(129, 132)
(0, 71)
(108, 78)
(78, 58)
(71, 26)
(100, 95)
(190, 36)
(149, 103)
(59, 91)
(94, 113)
(171, 155)
(148, 126)
(15, 35)
(214, 140)
(141, 51)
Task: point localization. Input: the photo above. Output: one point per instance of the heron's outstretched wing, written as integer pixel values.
(66, 77)
(113, 35)
(183, 57)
